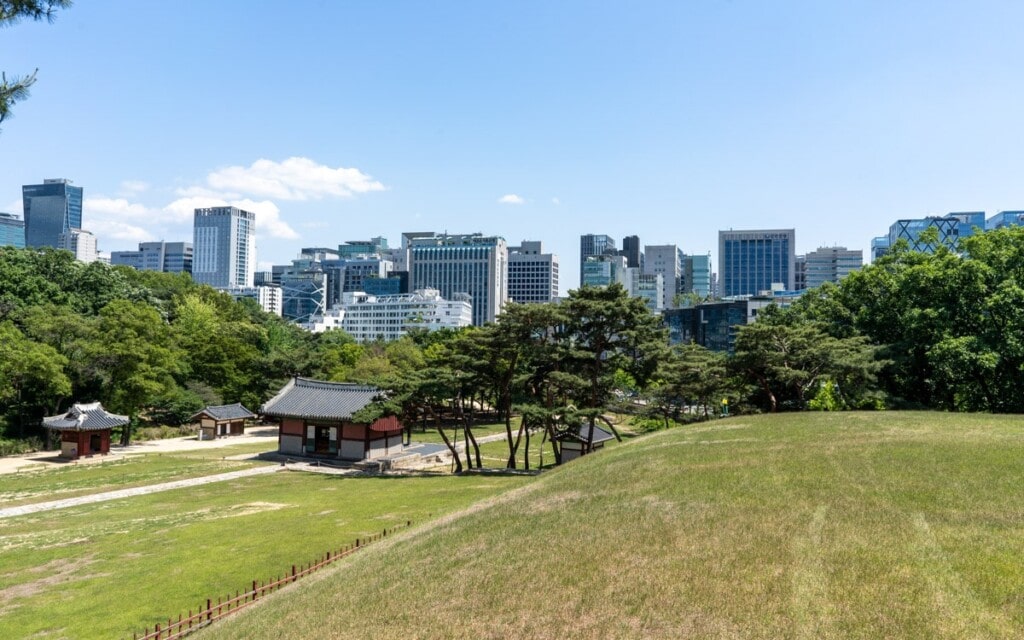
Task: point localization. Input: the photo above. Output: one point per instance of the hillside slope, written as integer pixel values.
(800, 526)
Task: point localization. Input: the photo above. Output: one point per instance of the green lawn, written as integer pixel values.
(58, 481)
(106, 570)
(863, 525)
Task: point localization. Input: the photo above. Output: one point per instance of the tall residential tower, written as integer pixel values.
(224, 247)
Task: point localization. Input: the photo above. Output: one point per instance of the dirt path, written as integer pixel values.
(43, 459)
(11, 512)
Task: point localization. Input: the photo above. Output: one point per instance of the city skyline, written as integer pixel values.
(535, 122)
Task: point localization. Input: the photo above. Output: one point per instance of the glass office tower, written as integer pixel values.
(752, 261)
(51, 208)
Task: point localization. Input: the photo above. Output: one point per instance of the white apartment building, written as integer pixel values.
(79, 242)
(269, 296)
(224, 247)
(665, 260)
(367, 317)
(532, 274)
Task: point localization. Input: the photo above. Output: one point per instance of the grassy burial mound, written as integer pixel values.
(898, 525)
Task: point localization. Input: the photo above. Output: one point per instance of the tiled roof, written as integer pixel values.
(305, 398)
(226, 412)
(600, 435)
(85, 417)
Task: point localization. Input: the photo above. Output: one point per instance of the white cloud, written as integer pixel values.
(114, 207)
(14, 207)
(556, 201)
(268, 216)
(294, 179)
(117, 230)
(132, 187)
(182, 210)
(510, 198)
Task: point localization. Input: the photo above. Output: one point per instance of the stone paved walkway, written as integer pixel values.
(11, 512)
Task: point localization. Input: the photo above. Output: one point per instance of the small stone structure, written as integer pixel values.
(222, 420)
(84, 429)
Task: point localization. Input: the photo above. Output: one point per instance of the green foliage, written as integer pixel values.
(826, 399)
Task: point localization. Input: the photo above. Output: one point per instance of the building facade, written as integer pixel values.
(831, 264)
(595, 245)
(168, 257)
(472, 264)
(648, 286)
(51, 208)
(667, 261)
(602, 271)
(81, 243)
(224, 247)
(631, 251)
(1005, 219)
(532, 274)
(12, 231)
(367, 317)
(697, 275)
(750, 262)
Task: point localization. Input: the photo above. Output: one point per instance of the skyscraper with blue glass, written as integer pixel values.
(51, 208)
(752, 261)
(12, 231)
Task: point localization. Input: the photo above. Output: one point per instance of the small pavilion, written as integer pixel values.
(578, 442)
(84, 429)
(222, 420)
(316, 421)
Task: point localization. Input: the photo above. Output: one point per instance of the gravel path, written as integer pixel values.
(11, 512)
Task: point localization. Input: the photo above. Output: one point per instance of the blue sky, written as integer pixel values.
(669, 120)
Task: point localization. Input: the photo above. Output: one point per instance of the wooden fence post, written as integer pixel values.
(209, 615)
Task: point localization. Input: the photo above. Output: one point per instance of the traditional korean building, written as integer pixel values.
(316, 420)
(84, 429)
(577, 442)
(222, 420)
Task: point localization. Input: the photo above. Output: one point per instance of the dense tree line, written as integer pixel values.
(941, 330)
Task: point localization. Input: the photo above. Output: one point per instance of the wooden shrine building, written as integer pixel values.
(316, 420)
(578, 442)
(84, 429)
(222, 420)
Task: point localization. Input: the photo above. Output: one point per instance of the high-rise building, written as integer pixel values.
(12, 231)
(363, 248)
(800, 273)
(831, 264)
(950, 228)
(879, 247)
(1002, 219)
(224, 247)
(697, 275)
(750, 262)
(666, 260)
(51, 209)
(648, 286)
(168, 257)
(603, 271)
(592, 245)
(79, 242)
(532, 274)
(631, 251)
(473, 264)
